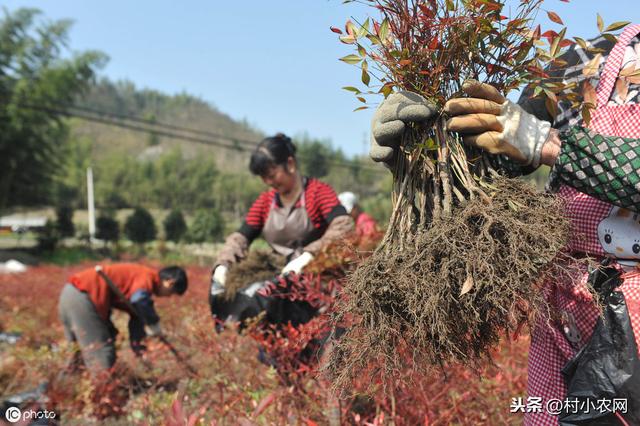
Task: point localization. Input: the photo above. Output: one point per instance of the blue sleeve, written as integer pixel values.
(142, 301)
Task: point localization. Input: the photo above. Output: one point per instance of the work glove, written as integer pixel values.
(298, 264)
(218, 280)
(154, 330)
(389, 122)
(489, 121)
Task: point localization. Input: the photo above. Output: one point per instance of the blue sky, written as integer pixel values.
(273, 62)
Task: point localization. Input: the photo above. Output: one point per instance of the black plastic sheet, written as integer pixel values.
(249, 303)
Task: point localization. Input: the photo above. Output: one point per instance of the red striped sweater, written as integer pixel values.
(322, 206)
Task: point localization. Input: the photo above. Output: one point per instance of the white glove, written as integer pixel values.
(297, 264)
(218, 280)
(524, 131)
(154, 329)
(220, 274)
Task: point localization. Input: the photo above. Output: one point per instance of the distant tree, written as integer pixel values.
(48, 237)
(207, 226)
(237, 192)
(64, 221)
(140, 226)
(35, 75)
(107, 228)
(174, 226)
(314, 157)
(153, 139)
(166, 181)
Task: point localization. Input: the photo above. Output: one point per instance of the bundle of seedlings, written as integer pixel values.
(466, 247)
(259, 265)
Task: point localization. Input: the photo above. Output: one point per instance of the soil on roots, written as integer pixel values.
(260, 265)
(451, 291)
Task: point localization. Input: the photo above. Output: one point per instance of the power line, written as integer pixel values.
(167, 126)
(134, 127)
(151, 126)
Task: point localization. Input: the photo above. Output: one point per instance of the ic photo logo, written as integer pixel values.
(13, 414)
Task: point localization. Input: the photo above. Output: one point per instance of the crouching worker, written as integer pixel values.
(89, 296)
(297, 217)
(366, 226)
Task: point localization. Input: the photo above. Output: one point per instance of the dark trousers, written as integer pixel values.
(82, 324)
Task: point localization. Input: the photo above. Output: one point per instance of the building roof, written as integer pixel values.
(15, 222)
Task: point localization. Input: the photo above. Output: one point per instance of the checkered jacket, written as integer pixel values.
(596, 165)
(607, 168)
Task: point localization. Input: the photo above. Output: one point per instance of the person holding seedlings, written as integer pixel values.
(366, 226)
(596, 171)
(297, 217)
(87, 299)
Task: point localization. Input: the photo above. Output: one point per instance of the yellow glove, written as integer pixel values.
(489, 121)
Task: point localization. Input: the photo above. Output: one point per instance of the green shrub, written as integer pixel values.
(107, 228)
(174, 226)
(48, 237)
(64, 221)
(207, 226)
(140, 227)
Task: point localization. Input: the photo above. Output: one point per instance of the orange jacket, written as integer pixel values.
(128, 277)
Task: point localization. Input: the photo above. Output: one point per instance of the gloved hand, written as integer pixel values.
(154, 330)
(491, 122)
(218, 280)
(297, 264)
(389, 122)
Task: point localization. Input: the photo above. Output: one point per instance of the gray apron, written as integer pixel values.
(288, 229)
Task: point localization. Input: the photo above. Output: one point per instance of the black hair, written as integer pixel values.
(270, 152)
(179, 276)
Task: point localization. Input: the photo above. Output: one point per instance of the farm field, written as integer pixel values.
(231, 386)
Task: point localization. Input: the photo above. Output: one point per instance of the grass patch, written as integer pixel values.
(65, 256)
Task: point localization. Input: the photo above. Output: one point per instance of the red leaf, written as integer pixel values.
(566, 42)
(554, 17)
(426, 10)
(266, 402)
(589, 93)
(433, 45)
(336, 30)
(537, 71)
(193, 420)
(549, 35)
(177, 411)
(492, 6)
(349, 28)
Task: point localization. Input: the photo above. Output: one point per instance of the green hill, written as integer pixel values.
(124, 99)
(133, 168)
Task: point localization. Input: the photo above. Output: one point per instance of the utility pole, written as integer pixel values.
(91, 206)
